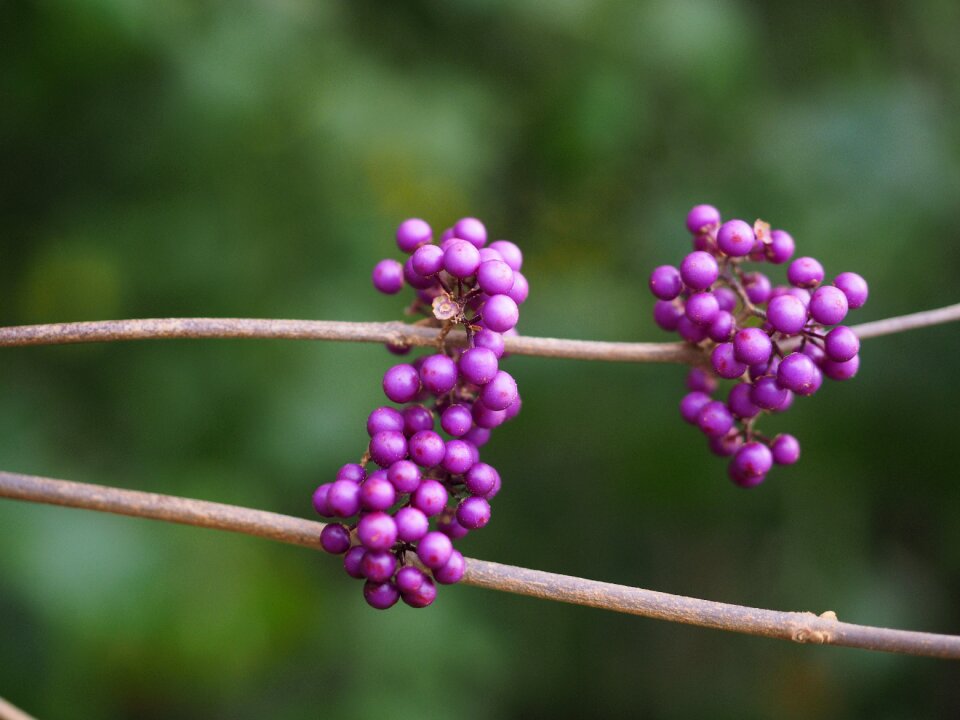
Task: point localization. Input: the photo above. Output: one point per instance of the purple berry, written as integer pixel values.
(690, 331)
(781, 247)
(404, 475)
(412, 234)
(702, 308)
(752, 346)
(352, 561)
(377, 531)
(699, 270)
(715, 419)
(724, 362)
(841, 370)
(380, 595)
(757, 286)
(320, 503)
(478, 365)
(500, 313)
(726, 298)
(430, 498)
(740, 403)
(667, 315)
(427, 260)
(461, 259)
(798, 373)
(422, 596)
(702, 217)
(412, 524)
(335, 539)
(665, 282)
(387, 277)
(426, 448)
(520, 290)
(841, 344)
(383, 419)
(378, 565)
(736, 238)
(805, 272)
(438, 373)
(416, 418)
(722, 327)
(401, 383)
(767, 394)
(854, 287)
(452, 571)
(343, 498)
(750, 464)
(787, 314)
(480, 479)
(377, 493)
(691, 405)
(510, 252)
(459, 457)
(494, 277)
(725, 445)
(434, 550)
(415, 279)
(387, 447)
(500, 392)
(456, 420)
(785, 449)
(471, 230)
(700, 380)
(473, 513)
(828, 305)
(490, 340)
(409, 579)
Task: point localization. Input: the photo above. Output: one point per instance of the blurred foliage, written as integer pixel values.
(252, 158)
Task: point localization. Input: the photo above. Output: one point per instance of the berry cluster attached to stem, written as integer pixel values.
(424, 475)
(742, 321)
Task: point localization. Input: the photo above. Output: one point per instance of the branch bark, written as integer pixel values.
(800, 627)
(11, 712)
(397, 333)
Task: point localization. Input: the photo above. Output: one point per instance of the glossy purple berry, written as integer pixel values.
(701, 218)
(690, 331)
(724, 362)
(691, 405)
(805, 272)
(665, 282)
(722, 327)
(461, 259)
(387, 447)
(700, 380)
(492, 341)
(427, 260)
(383, 419)
(409, 579)
(380, 596)
(510, 253)
(841, 370)
(320, 503)
(702, 308)
(430, 498)
(854, 287)
(667, 315)
(500, 392)
(767, 394)
(750, 464)
(699, 270)
(459, 457)
(404, 475)
(452, 571)
(412, 524)
(335, 539)
(401, 383)
(423, 596)
(725, 445)
(412, 234)
(495, 277)
(781, 247)
(426, 448)
(378, 565)
(715, 419)
(438, 374)
(500, 313)
(434, 550)
(343, 498)
(841, 344)
(752, 346)
(473, 513)
(787, 314)
(377, 531)
(456, 420)
(740, 403)
(798, 373)
(785, 449)
(828, 305)
(757, 286)
(352, 561)
(471, 230)
(736, 238)
(387, 277)
(478, 365)
(415, 279)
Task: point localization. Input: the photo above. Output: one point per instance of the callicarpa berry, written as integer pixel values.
(775, 341)
(431, 489)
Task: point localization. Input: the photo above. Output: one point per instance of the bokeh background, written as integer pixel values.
(253, 158)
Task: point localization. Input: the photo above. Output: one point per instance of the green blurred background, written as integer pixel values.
(253, 159)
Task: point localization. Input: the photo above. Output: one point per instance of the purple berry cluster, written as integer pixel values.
(422, 474)
(775, 342)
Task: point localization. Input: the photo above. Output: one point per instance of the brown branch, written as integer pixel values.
(397, 333)
(800, 627)
(10, 712)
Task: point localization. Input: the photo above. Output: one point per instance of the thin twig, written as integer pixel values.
(396, 333)
(800, 627)
(10, 712)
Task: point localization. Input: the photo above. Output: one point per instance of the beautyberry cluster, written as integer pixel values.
(773, 341)
(426, 474)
